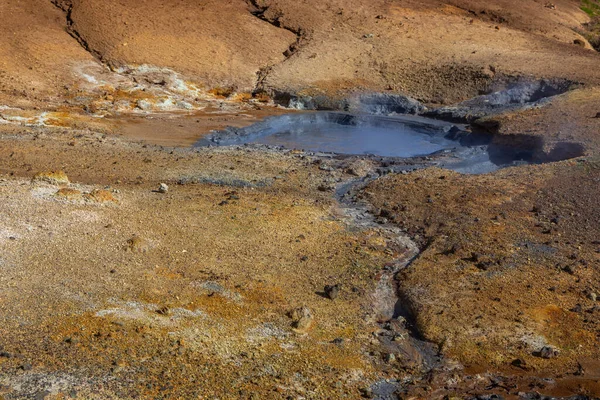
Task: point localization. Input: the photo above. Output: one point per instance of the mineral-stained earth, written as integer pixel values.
(136, 265)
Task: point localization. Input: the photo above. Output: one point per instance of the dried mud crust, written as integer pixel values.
(508, 264)
(178, 294)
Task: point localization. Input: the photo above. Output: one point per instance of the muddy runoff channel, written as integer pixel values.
(370, 146)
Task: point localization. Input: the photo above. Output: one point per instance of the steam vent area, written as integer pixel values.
(300, 199)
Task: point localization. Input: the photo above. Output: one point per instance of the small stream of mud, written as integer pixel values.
(400, 342)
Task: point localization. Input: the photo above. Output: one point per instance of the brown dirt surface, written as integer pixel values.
(37, 55)
(433, 51)
(508, 261)
(191, 38)
(190, 296)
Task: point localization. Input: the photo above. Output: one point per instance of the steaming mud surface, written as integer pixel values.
(348, 134)
(395, 137)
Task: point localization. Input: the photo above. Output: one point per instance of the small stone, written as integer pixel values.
(163, 310)
(359, 168)
(25, 367)
(302, 319)
(570, 269)
(332, 291)
(163, 188)
(144, 104)
(548, 352)
(519, 363)
(138, 245)
(390, 358)
(592, 296)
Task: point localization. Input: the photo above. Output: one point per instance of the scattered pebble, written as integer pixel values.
(163, 188)
(302, 319)
(548, 352)
(570, 269)
(25, 367)
(332, 291)
(163, 310)
(138, 245)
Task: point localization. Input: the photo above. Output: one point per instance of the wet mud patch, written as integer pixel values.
(466, 149)
(343, 133)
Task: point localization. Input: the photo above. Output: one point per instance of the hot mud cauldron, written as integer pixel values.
(446, 144)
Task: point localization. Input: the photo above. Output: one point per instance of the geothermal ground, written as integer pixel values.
(182, 216)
